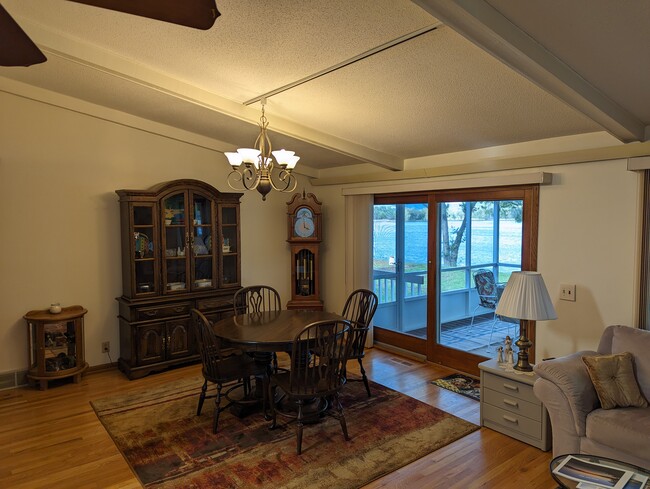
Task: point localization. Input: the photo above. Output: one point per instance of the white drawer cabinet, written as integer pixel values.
(509, 406)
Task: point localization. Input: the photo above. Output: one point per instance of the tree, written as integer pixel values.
(451, 246)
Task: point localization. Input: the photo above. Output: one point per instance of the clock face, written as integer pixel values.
(304, 225)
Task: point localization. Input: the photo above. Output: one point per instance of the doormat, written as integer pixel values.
(461, 384)
(168, 446)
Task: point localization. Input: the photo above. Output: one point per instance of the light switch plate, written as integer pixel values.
(568, 292)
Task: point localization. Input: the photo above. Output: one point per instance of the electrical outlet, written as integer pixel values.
(106, 346)
(568, 292)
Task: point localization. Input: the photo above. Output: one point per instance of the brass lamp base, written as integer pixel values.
(524, 344)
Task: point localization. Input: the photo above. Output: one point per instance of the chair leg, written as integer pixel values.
(339, 410)
(474, 315)
(494, 323)
(299, 427)
(217, 403)
(202, 397)
(363, 376)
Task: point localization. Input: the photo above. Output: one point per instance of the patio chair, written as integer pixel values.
(314, 381)
(489, 293)
(359, 308)
(233, 372)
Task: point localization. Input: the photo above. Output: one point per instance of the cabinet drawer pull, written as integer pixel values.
(510, 403)
(511, 419)
(179, 309)
(511, 387)
(151, 314)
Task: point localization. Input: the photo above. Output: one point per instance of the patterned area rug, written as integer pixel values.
(168, 446)
(461, 384)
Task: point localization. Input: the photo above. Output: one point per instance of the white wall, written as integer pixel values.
(588, 236)
(59, 231)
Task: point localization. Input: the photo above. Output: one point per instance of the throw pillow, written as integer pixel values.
(614, 380)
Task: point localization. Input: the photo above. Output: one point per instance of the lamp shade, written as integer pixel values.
(525, 297)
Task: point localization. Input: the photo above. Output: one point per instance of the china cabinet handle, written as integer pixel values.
(151, 314)
(169, 341)
(179, 309)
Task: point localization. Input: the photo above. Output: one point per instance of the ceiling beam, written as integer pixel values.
(486, 27)
(96, 58)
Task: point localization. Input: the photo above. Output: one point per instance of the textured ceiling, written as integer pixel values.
(437, 93)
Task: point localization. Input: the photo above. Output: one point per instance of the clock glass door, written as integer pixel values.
(304, 276)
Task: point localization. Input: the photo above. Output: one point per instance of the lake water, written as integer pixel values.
(416, 242)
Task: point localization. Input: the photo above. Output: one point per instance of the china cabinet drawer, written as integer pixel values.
(513, 404)
(509, 387)
(512, 421)
(214, 303)
(159, 312)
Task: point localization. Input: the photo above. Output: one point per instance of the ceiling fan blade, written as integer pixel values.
(199, 14)
(16, 48)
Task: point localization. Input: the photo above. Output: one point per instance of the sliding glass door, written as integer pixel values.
(400, 248)
(435, 254)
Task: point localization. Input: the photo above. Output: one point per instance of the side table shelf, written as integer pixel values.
(56, 345)
(509, 406)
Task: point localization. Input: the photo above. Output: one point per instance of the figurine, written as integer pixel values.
(500, 355)
(508, 348)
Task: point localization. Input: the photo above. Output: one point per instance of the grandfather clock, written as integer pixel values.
(304, 231)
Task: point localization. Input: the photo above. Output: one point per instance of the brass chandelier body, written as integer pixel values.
(255, 168)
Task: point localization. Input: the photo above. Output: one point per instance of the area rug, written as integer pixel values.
(168, 446)
(461, 384)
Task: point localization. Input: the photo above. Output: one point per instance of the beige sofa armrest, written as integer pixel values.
(570, 375)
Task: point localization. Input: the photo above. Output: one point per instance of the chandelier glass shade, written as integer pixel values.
(260, 168)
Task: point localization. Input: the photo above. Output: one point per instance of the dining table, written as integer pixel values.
(264, 333)
(267, 331)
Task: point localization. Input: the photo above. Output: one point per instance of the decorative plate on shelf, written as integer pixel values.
(176, 285)
(203, 282)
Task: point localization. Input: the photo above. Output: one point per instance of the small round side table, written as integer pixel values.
(56, 345)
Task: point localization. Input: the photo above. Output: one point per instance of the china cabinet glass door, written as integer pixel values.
(175, 241)
(202, 242)
(229, 245)
(143, 249)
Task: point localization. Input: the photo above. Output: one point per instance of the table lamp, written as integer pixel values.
(525, 298)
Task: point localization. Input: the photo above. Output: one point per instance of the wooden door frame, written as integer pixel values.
(450, 357)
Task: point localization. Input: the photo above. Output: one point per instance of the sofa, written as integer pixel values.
(579, 423)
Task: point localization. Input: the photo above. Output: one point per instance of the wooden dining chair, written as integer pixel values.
(316, 378)
(359, 308)
(256, 298)
(232, 372)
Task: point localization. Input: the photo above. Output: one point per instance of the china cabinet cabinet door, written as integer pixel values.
(176, 238)
(151, 343)
(179, 339)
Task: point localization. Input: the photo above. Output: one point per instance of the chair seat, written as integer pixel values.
(309, 386)
(236, 367)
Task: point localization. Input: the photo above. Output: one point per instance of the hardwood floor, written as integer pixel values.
(53, 438)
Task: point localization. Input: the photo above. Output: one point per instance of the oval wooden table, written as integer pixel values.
(267, 331)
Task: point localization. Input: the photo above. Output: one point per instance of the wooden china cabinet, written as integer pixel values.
(180, 250)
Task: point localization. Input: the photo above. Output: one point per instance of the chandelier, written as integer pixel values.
(255, 169)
